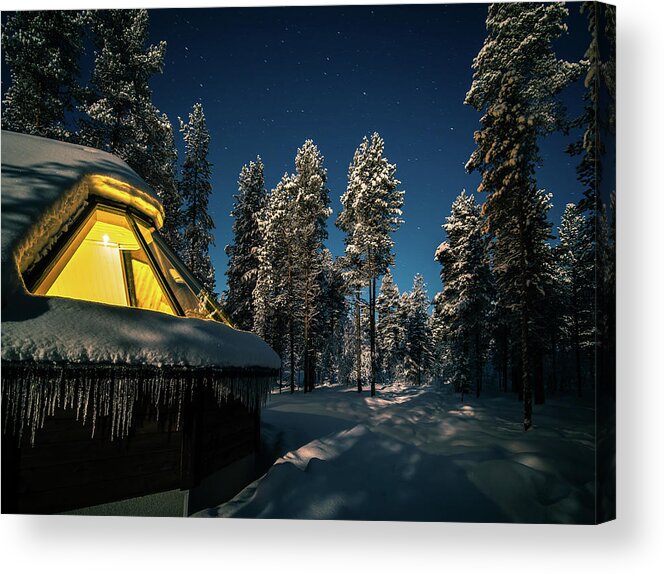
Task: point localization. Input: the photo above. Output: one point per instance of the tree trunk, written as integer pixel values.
(555, 382)
(524, 322)
(578, 358)
(307, 383)
(372, 333)
(516, 364)
(358, 344)
(292, 352)
(478, 363)
(538, 376)
(526, 383)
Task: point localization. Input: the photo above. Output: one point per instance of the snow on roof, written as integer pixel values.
(56, 330)
(46, 182)
(41, 191)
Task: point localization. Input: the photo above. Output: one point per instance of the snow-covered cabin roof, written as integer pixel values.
(45, 184)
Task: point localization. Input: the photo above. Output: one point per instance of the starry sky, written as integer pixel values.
(270, 78)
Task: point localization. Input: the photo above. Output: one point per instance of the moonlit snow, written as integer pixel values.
(419, 454)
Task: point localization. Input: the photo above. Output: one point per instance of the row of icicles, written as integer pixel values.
(31, 393)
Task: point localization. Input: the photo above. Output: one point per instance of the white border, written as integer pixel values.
(631, 544)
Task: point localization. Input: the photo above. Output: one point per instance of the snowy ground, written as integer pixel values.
(420, 454)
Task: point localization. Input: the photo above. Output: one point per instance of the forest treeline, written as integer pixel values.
(522, 306)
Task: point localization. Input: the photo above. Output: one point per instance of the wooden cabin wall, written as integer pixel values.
(67, 469)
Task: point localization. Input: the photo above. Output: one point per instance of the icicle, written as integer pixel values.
(32, 392)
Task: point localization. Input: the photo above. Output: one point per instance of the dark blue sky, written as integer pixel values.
(269, 78)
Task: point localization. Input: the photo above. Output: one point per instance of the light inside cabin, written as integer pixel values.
(114, 257)
(104, 262)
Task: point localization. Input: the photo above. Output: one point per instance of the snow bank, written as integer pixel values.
(421, 455)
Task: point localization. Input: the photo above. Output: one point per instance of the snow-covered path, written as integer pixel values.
(420, 454)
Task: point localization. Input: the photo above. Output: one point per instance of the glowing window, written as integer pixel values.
(103, 261)
(191, 296)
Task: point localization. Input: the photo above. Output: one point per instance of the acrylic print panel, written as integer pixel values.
(409, 314)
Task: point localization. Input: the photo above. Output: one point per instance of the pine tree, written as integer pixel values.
(387, 327)
(118, 105)
(574, 263)
(42, 49)
(516, 78)
(159, 171)
(310, 213)
(441, 358)
(329, 332)
(598, 117)
(417, 337)
(277, 313)
(243, 253)
(371, 213)
(347, 359)
(195, 188)
(465, 301)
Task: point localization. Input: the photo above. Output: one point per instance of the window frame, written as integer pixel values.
(38, 273)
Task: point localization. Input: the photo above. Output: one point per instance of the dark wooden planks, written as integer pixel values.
(69, 469)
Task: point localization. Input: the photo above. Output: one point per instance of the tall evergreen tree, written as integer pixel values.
(466, 295)
(516, 78)
(42, 49)
(371, 213)
(387, 327)
(329, 332)
(574, 263)
(417, 337)
(244, 251)
(597, 118)
(310, 211)
(195, 189)
(118, 108)
(277, 313)
(441, 360)
(160, 172)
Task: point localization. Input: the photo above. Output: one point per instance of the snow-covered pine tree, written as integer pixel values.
(516, 78)
(597, 117)
(387, 327)
(118, 104)
(372, 209)
(403, 317)
(440, 350)
(277, 313)
(552, 328)
(310, 213)
(195, 189)
(347, 358)
(574, 262)
(42, 49)
(159, 170)
(417, 337)
(329, 331)
(466, 295)
(243, 253)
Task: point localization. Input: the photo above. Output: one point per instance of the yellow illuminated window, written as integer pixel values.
(193, 299)
(104, 262)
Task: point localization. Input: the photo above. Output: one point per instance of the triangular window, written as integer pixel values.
(104, 261)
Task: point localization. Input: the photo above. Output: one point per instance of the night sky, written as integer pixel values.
(269, 78)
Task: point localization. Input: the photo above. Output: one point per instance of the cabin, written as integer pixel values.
(125, 388)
